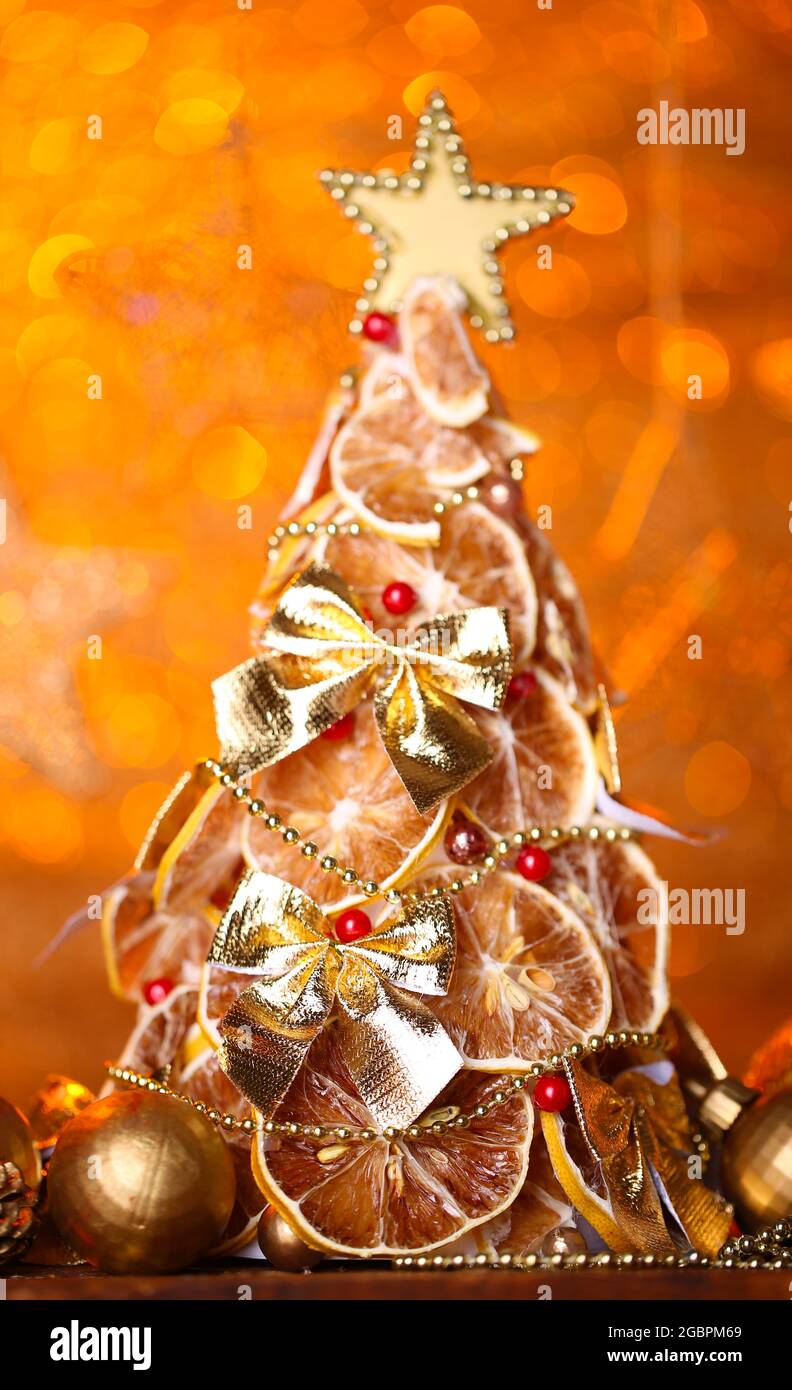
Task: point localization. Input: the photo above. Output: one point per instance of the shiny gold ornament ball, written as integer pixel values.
(756, 1169)
(17, 1144)
(140, 1183)
(284, 1249)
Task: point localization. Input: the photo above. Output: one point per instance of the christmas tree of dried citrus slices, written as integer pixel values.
(411, 504)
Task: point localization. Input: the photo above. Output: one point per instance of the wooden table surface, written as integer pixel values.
(380, 1282)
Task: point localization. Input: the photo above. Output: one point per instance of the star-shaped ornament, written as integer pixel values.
(438, 219)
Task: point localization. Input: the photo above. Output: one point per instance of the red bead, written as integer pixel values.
(380, 328)
(341, 729)
(154, 991)
(352, 924)
(552, 1093)
(464, 842)
(399, 597)
(523, 683)
(534, 863)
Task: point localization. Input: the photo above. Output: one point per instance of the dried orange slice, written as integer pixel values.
(449, 382)
(217, 991)
(141, 943)
(204, 854)
(529, 978)
(540, 1208)
(608, 885)
(544, 771)
(345, 795)
(390, 1197)
(391, 462)
(563, 646)
(203, 1079)
(161, 1033)
(477, 562)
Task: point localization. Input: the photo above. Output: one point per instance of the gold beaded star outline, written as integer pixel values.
(436, 218)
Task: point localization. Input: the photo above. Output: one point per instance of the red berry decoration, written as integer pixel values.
(464, 842)
(380, 328)
(522, 684)
(399, 597)
(534, 863)
(352, 924)
(552, 1093)
(341, 729)
(154, 991)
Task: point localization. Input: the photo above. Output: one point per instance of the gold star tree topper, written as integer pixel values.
(437, 218)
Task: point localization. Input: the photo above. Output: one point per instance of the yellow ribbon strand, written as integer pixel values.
(397, 1053)
(322, 659)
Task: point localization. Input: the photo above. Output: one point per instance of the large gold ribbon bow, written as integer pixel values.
(323, 658)
(397, 1053)
(640, 1134)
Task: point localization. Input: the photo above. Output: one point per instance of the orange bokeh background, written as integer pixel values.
(150, 386)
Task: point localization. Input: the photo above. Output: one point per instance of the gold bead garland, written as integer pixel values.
(509, 1084)
(294, 529)
(349, 875)
(770, 1249)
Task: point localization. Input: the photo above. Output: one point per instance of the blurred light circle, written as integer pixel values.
(639, 344)
(558, 293)
(142, 730)
(717, 779)
(191, 126)
(59, 146)
(113, 48)
(600, 205)
(208, 84)
(687, 353)
(772, 372)
(442, 31)
(37, 37)
(460, 94)
(228, 462)
(48, 257)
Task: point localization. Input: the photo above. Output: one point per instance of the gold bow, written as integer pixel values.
(325, 658)
(396, 1051)
(640, 1134)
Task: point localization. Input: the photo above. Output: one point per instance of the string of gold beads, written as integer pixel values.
(293, 529)
(352, 877)
(436, 1122)
(775, 1254)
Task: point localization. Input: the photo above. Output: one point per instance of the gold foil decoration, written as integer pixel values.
(639, 1132)
(397, 1053)
(323, 659)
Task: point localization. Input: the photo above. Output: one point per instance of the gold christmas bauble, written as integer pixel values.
(756, 1168)
(284, 1249)
(140, 1183)
(17, 1144)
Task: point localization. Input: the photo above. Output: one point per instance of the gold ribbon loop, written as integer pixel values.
(397, 1052)
(640, 1133)
(323, 659)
